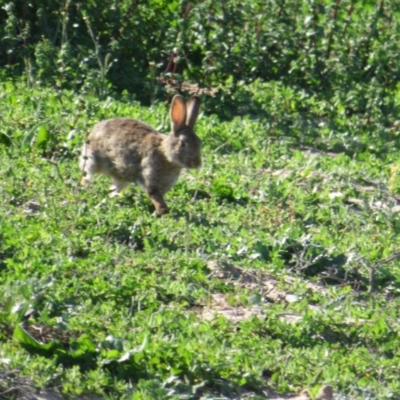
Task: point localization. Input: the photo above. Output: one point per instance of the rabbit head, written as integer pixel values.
(182, 146)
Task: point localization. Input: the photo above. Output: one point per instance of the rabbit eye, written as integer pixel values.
(182, 143)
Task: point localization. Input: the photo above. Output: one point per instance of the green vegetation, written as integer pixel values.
(102, 297)
(278, 267)
(325, 47)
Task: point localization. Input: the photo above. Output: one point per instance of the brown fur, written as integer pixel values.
(129, 151)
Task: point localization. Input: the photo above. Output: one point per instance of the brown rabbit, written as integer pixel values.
(128, 151)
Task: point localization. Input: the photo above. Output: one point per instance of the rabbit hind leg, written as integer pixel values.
(117, 185)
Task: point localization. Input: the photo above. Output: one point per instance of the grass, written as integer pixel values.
(277, 268)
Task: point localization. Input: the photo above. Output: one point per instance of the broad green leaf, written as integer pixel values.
(42, 135)
(22, 336)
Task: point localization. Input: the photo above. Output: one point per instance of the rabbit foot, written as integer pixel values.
(116, 187)
(113, 193)
(162, 210)
(84, 181)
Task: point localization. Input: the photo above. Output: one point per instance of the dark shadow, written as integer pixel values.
(313, 260)
(126, 236)
(317, 333)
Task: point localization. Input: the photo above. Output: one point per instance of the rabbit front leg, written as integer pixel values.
(157, 199)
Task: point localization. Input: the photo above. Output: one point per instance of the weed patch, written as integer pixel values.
(276, 270)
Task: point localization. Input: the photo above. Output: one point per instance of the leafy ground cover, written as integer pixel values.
(277, 268)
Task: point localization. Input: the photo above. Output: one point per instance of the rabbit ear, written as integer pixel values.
(193, 108)
(178, 113)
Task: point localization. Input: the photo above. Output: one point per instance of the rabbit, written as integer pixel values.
(128, 150)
